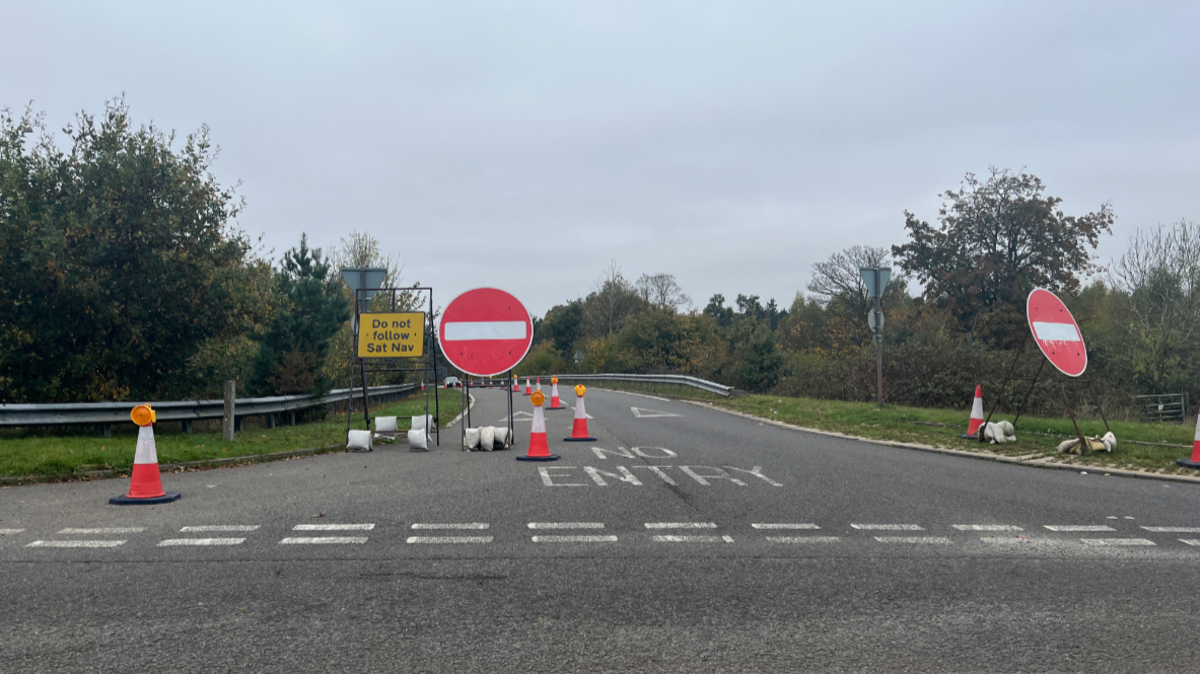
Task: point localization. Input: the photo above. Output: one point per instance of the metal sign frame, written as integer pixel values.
(427, 362)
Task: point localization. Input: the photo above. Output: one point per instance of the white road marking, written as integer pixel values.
(8, 532)
(1117, 541)
(105, 530)
(986, 527)
(639, 395)
(464, 525)
(938, 540)
(1174, 530)
(803, 539)
(333, 527)
(566, 525)
(74, 544)
(1190, 541)
(574, 539)
(888, 527)
(322, 540)
(449, 539)
(643, 413)
(1005, 539)
(680, 525)
(693, 539)
(222, 527)
(200, 541)
(1078, 527)
(783, 526)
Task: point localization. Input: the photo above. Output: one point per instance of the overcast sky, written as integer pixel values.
(526, 145)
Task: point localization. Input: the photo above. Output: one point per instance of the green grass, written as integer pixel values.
(1035, 436)
(67, 456)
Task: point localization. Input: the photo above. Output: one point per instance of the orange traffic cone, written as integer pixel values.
(528, 386)
(539, 450)
(1195, 460)
(579, 429)
(976, 415)
(145, 487)
(555, 403)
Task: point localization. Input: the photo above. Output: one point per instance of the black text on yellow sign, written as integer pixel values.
(391, 335)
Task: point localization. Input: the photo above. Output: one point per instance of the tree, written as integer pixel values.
(606, 308)
(563, 327)
(296, 340)
(839, 276)
(720, 313)
(661, 290)
(997, 241)
(118, 262)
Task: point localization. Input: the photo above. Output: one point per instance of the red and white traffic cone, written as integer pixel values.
(579, 429)
(538, 388)
(976, 414)
(528, 387)
(539, 449)
(145, 486)
(1194, 462)
(516, 385)
(555, 403)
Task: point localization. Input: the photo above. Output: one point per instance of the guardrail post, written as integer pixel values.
(270, 421)
(227, 420)
(187, 426)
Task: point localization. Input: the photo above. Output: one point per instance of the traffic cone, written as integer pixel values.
(1195, 460)
(555, 403)
(516, 385)
(976, 415)
(145, 486)
(528, 386)
(539, 450)
(539, 385)
(579, 429)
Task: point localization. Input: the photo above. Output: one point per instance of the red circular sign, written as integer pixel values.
(1056, 332)
(485, 332)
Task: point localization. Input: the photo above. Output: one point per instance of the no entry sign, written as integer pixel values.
(1056, 332)
(485, 332)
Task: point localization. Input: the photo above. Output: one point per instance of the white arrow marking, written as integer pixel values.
(518, 416)
(643, 413)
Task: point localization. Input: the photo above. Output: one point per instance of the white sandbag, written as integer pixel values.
(999, 432)
(358, 440)
(418, 440)
(385, 424)
(471, 441)
(501, 441)
(422, 422)
(487, 438)
(1068, 445)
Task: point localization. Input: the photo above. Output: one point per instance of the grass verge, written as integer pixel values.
(1037, 438)
(64, 457)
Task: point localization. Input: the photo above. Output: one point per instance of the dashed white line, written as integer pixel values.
(693, 539)
(1005, 539)
(221, 527)
(936, 540)
(1190, 541)
(986, 527)
(333, 527)
(104, 530)
(1117, 541)
(574, 539)
(1078, 527)
(323, 540)
(680, 525)
(200, 541)
(449, 539)
(888, 527)
(783, 525)
(9, 532)
(1174, 530)
(566, 525)
(74, 544)
(463, 525)
(803, 539)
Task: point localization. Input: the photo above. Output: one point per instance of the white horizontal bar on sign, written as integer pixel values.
(476, 330)
(1056, 332)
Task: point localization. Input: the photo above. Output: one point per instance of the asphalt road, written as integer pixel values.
(682, 540)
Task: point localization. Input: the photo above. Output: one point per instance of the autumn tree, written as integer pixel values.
(996, 241)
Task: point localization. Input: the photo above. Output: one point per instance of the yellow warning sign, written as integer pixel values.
(391, 335)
